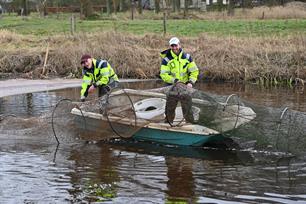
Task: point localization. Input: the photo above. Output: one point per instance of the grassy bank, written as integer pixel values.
(266, 51)
(33, 25)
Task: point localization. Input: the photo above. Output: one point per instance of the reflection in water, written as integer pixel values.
(29, 103)
(128, 172)
(180, 172)
(94, 172)
(133, 172)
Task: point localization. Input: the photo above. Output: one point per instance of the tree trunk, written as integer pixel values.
(247, 3)
(140, 6)
(86, 9)
(115, 6)
(25, 7)
(178, 5)
(132, 9)
(230, 8)
(186, 4)
(173, 5)
(122, 6)
(108, 7)
(43, 8)
(157, 6)
(220, 4)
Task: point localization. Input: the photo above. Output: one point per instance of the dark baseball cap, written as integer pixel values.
(84, 58)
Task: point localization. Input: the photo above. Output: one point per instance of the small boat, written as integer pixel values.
(149, 108)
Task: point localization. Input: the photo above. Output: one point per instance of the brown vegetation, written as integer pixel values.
(264, 59)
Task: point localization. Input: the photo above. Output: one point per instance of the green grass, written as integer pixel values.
(51, 25)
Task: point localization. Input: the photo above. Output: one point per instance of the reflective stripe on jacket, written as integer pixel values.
(100, 74)
(180, 67)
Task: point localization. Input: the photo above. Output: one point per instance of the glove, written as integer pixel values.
(82, 98)
(107, 88)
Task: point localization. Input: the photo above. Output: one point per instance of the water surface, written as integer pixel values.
(33, 169)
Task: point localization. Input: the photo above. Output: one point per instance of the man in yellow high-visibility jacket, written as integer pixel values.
(178, 67)
(97, 74)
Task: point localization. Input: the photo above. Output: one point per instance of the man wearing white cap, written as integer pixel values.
(178, 66)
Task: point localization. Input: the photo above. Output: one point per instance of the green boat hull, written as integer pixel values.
(175, 138)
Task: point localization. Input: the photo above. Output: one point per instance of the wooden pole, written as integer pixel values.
(132, 9)
(45, 61)
(164, 22)
(72, 26)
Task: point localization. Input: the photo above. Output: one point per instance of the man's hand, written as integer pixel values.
(189, 85)
(91, 89)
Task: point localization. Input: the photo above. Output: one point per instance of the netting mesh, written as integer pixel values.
(63, 122)
(123, 112)
(277, 129)
(118, 109)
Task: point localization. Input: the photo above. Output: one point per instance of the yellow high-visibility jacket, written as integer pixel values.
(180, 67)
(100, 74)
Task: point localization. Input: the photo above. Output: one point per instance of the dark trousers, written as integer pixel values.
(173, 98)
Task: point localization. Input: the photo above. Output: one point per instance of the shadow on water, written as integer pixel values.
(34, 170)
(180, 151)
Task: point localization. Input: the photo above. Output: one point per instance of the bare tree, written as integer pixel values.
(157, 6)
(115, 5)
(186, 4)
(140, 6)
(132, 2)
(25, 10)
(230, 7)
(108, 7)
(220, 4)
(177, 5)
(42, 8)
(86, 8)
(123, 5)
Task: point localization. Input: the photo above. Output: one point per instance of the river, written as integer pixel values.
(33, 169)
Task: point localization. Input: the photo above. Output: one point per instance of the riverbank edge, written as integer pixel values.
(22, 86)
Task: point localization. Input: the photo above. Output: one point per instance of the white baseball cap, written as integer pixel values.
(174, 41)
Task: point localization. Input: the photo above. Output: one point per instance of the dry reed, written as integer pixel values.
(229, 58)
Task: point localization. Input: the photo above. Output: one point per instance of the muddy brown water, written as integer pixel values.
(33, 169)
